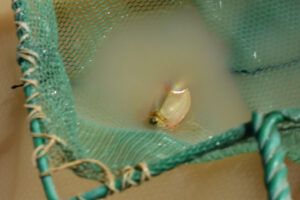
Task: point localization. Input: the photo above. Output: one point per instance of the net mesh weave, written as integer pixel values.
(264, 63)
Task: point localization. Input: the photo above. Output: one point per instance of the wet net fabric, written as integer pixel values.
(264, 63)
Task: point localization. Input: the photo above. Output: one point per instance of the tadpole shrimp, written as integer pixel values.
(173, 109)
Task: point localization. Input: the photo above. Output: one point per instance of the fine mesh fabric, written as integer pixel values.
(264, 52)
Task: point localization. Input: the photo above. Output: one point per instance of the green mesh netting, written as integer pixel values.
(83, 80)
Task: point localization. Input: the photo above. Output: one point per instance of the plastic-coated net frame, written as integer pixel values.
(228, 138)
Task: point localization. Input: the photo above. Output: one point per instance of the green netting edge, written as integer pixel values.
(225, 139)
(231, 137)
(35, 125)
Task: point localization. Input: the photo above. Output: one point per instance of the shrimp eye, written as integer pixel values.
(153, 120)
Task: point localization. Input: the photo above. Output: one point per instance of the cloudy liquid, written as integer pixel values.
(135, 64)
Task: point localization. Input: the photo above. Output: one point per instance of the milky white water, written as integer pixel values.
(135, 63)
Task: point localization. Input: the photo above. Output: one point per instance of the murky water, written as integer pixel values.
(135, 64)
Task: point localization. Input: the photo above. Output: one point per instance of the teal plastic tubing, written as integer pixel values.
(34, 124)
(273, 157)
